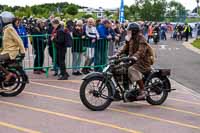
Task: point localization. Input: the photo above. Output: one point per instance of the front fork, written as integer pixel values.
(107, 78)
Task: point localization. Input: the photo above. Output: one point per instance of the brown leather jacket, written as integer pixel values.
(141, 50)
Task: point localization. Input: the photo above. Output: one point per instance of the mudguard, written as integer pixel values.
(165, 80)
(23, 73)
(167, 84)
(98, 74)
(93, 74)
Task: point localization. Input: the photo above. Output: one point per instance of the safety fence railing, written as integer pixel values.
(41, 54)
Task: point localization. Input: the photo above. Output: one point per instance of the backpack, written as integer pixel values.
(152, 54)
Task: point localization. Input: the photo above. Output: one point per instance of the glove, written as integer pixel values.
(113, 57)
(134, 58)
(22, 55)
(125, 59)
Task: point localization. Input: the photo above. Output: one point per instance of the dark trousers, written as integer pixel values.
(60, 55)
(186, 36)
(39, 55)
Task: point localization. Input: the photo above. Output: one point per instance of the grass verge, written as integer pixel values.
(196, 43)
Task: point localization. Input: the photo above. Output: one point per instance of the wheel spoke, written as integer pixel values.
(95, 94)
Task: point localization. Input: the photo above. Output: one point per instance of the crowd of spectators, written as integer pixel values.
(90, 39)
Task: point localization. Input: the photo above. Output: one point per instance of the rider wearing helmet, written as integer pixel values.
(12, 43)
(137, 48)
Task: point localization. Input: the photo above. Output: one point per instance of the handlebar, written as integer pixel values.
(113, 58)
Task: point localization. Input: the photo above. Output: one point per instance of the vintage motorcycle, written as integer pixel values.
(17, 83)
(99, 90)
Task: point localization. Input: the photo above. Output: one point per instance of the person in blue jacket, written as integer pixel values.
(21, 30)
(101, 48)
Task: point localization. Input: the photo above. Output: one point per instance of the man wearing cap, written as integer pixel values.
(59, 37)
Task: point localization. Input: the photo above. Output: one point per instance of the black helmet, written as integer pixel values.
(134, 27)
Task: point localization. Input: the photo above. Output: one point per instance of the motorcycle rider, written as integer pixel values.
(12, 43)
(138, 49)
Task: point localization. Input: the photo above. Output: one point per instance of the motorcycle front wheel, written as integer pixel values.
(95, 94)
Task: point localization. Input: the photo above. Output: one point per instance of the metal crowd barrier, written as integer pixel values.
(41, 54)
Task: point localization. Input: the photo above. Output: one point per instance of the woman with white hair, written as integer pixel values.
(93, 35)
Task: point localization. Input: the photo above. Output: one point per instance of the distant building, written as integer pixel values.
(99, 11)
(193, 15)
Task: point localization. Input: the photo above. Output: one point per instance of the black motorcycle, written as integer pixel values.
(98, 90)
(17, 83)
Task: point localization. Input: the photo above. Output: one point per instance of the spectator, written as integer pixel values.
(145, 31)
(150, 33)
(21, 31)
(122, 35)
(187, 30)
(98, 22)
(93, 35)
(111, 45)
(117, 31)
(39, 45)
(100, 49)
(51, 48)
(77, 47)
(59, 37)
(163, 32)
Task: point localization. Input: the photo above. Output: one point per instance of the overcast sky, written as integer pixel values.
(189, 4)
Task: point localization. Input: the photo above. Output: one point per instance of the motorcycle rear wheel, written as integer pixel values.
(15, 88)
(159, 90)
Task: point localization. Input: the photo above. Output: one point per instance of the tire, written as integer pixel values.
(164, 92)
(20, 76)
(85, 100)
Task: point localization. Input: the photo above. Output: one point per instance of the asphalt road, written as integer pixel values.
(51, 106)
(184, 63)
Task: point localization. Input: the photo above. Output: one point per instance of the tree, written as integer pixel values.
(72, 10)
(151, 10)
(86, 16)
(133, 10)
(107, 13)
(176, 11)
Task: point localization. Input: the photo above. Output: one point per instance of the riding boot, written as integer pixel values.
(142, 92)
